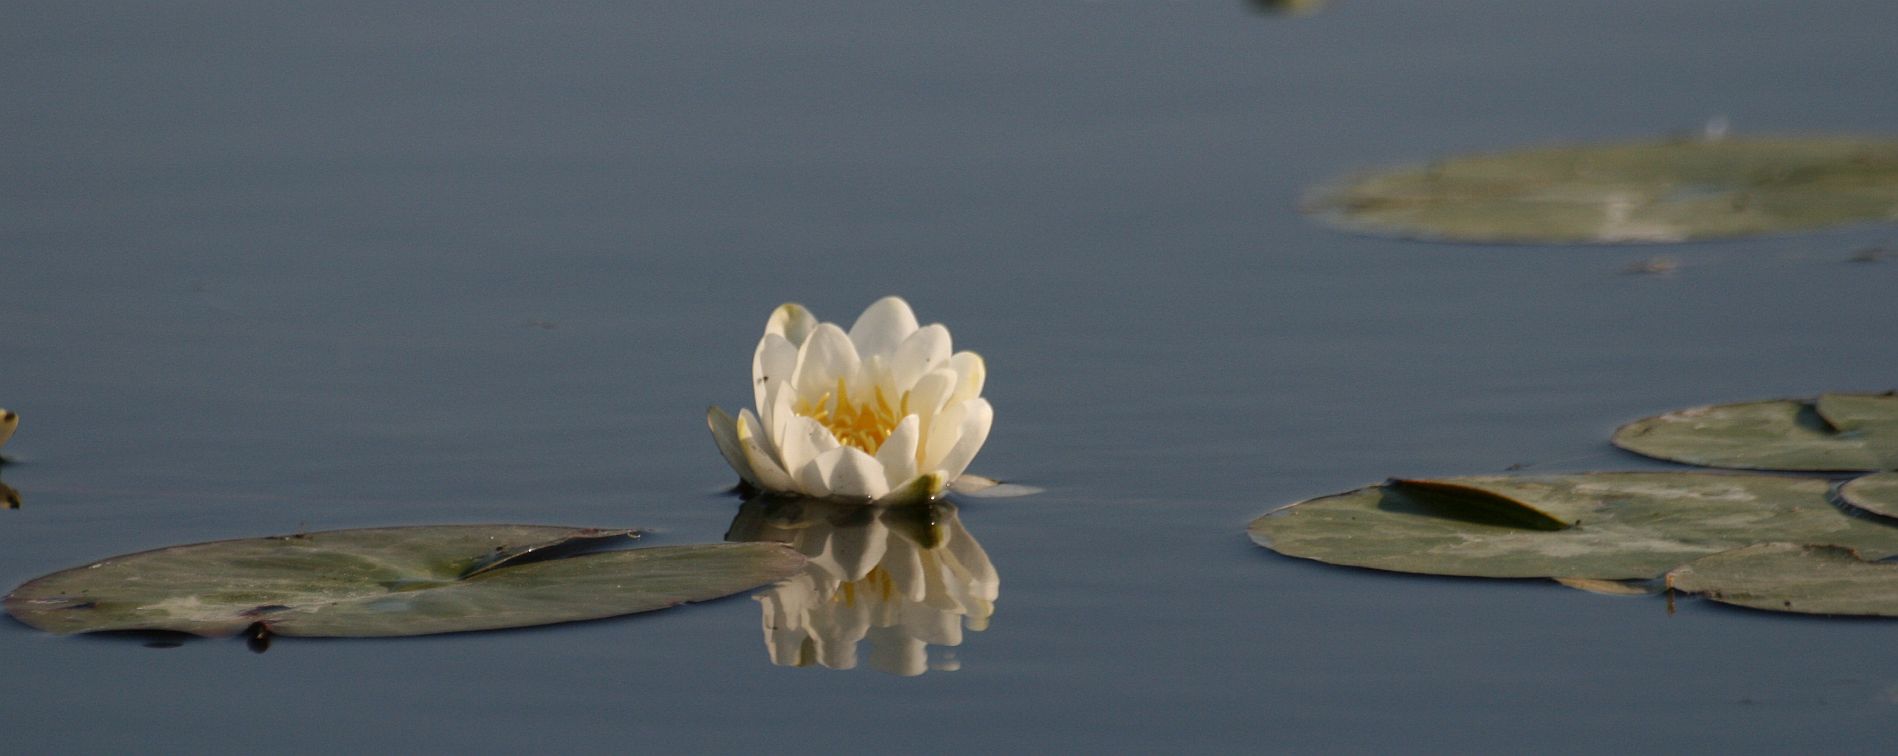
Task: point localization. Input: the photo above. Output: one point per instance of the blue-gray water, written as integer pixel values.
(271, 268)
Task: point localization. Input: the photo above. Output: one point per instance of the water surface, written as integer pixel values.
(271, 269)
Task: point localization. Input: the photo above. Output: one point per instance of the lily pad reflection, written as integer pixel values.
(903, 578)
(1637, 192)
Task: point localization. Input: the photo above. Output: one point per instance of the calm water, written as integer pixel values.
(265, 270)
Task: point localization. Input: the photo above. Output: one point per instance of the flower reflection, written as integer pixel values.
(904, 578)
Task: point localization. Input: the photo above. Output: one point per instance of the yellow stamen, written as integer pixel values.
(865, 426)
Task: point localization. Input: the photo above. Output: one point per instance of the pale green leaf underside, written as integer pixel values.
(390, 581)
(1654, 191)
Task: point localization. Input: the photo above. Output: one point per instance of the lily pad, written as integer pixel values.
(1876, 493)
(1599, 526)
(1792, 577)
(1636, 192)
(1836, 432)
(391, 581)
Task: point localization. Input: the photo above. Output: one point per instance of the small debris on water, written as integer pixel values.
(1870, 255)
(1654, 266)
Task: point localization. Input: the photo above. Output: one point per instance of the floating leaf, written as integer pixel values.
(390, 581)
(979, 487)
(1836, 432)
(1877, 493)
(1655, 191)
(1791, 577)
(1618, 526)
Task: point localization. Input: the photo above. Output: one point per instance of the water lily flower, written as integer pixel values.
(883, 411)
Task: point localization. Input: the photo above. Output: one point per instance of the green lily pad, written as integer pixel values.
(1637, 192)
(1599, 526)
(1836, 432)
(1876, 493)
(391, 581)
(1792, 577)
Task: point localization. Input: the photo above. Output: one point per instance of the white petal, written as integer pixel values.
(975, 418)
(971, 373)
(873, 374)
(824, 358)
(939, 436)
(724, 433)
(883, 325)
(897, 455)
(924, 350)
(762, 458)
(810, 480)
(791, 321)
(777, 423)
(771, 366)
(848, 471)
(926, 399)
(804, 439)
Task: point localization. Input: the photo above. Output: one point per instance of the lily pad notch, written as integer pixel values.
(385, 582)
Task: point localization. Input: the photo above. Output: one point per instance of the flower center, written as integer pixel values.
(864, 426)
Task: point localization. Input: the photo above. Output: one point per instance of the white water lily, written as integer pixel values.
(883, 410)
